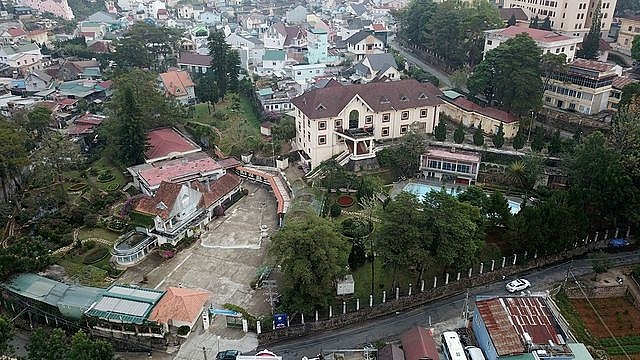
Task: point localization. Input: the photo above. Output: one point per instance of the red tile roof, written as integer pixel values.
(491, 112)
(622, 81)
(215, 190)
(229, 163)
(377, 27)
(194, 59)
(162, 203)
(278, 187)
(164, 142)
(13, 32)
(176, 82)
(90, 119)
(179, 170)
(418, 344)
(508, 318)
(592, 65)
(67, 102)
(179, 305)
(379, 96)
(536, 34)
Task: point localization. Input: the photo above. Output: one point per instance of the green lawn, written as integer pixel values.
(98, 233)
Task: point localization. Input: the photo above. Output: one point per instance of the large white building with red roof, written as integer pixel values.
(168, 143)
(548, 41)
(350, 121)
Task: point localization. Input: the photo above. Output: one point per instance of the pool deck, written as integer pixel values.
(399, 186)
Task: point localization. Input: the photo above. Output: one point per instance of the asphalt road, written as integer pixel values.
(409, 56)
(448, 309)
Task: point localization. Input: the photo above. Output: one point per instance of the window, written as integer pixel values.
(405, 115)
(404, 129)
(368, 119)
(424, 113)
(322, 139)
(464, 168)
(386, 117)
(435, 164)
(322, 125)
(385, 131)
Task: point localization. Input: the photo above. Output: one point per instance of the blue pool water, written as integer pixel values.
(422, 189)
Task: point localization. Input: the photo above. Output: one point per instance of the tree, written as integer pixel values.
(13, 156)
(538, 139)
(83, 348)
(313, 255)
(509, 76)
(555, 145)
(47, 345)
(512, 20)
(232, 65)
(403, 237)
(440, 131)
(635, 48)
(498, 137)
(458, 135)
(130, 138)
(38, 120)
(519, 140)
(206, 90)
(6, 335)
(459, 78)
(535, 22)
(630, 93)
(591, 42)
(476, 197)
(404, 158)
(546, 24)
(369, 187)
(148, 46)
(525, 172)
(624, 138)
(498, 212)
(218, 49)
(478, 136)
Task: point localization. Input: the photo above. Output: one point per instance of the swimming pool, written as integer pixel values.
(422, 189)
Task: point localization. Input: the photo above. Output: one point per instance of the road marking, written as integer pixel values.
(172, 271)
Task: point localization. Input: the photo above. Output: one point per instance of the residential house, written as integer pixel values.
(318, 47)
(548, 41)
(489, 118)
(21, 58)
(358, 10)
(194, 63)
(86, 89)
(273, 63)
(250, 48)
(162, 14)
(85, 125)
(349, 121)
(364, 43)
(568, 16)
(199, 36)
(180, 307)
(177, 84)
(184, 11)
(629, 29)
(418, 344)
(37, 80)
(23, 12)
(59, 8)
(81, 69)
(280, 36)
(377, 66)
(254, 23)
(100, 46)
(279, 100)
(92, 30)
(304, 74)
(38, 36)
(13, 35)
(210, 17)
(110, 21)
(521, 326)
(443, 164)
(584, 88)
(297, 15)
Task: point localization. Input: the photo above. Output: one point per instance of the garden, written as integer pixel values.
(89, 264)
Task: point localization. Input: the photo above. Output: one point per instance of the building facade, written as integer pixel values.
(450, 164)
(351, 121)
(629, 29)
(548, 41)
(568, 16)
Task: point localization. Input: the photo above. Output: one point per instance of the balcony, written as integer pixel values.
(356, 133)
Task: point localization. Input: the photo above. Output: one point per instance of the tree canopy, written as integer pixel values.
(147, 46)
(225, 64)
(313, 255)
(591, 42)
(635, 48)
(509, 76)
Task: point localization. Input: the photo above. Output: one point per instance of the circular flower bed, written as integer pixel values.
(94, 255)
(105, 176)
(345, 201)
(112, 187)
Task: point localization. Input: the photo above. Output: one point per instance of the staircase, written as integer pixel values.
(343, 158)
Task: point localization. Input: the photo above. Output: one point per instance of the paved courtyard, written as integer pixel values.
(225, 262)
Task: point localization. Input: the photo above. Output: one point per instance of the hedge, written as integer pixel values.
(94, 255)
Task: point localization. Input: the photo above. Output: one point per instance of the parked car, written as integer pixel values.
(518, 285)
(618, 243)
(227, 355)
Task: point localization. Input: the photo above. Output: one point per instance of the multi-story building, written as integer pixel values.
(351, 120)
(616, 91)
(460, 166)
(585, 87)
(569, 16)
(548, 41)
(629, 29)
(318, 46)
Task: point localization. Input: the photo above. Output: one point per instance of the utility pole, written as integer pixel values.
(204, 352)
(270, 285)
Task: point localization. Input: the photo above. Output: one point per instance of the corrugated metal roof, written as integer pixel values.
(122, 306)
(134, 293)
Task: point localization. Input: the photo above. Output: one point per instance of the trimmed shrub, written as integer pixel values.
(335, 210)
(77, 187)
(112, 186)
(94, 255)
(105, 177)
(183, 330)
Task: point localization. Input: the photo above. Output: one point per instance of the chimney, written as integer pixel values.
(208, 185)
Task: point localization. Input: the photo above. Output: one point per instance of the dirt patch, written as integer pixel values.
(622, 318)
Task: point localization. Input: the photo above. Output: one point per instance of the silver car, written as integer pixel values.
(518, 285)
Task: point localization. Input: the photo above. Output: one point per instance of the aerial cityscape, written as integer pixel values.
(320, 180)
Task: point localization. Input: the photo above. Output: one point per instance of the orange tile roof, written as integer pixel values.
(279, 191)
(179, 304)
(176, 82)
(216, 189)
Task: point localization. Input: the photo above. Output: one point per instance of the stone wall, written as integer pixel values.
(595, 292)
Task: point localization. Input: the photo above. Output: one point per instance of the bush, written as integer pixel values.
(112, 186)
(77, 187)
(335, 210)
(183, 330)
(94, 255)
(105, 176)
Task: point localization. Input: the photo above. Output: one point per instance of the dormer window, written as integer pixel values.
(404, 98)
(422, 96)
(384, 100)
(161, 205)
(320, 107)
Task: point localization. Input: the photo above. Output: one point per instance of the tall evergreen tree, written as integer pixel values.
(535, 22)
(519, 140)
(546, 24)
(537, 144)
(458, 135)
(440, 132)
(218, 49)
(512, 20)
(591, 42)
(478, 136)
(498, 137)
(130, 133)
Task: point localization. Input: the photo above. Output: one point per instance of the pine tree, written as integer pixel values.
(218, 49)
(478, 136)
(440, 132)
(591, 42)
(555, 145)
(512, 20)
(458, 135)
(131, 137)
(519, 140)
(534, 24)
(498, 137)
(546, 24)
(538, 139)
